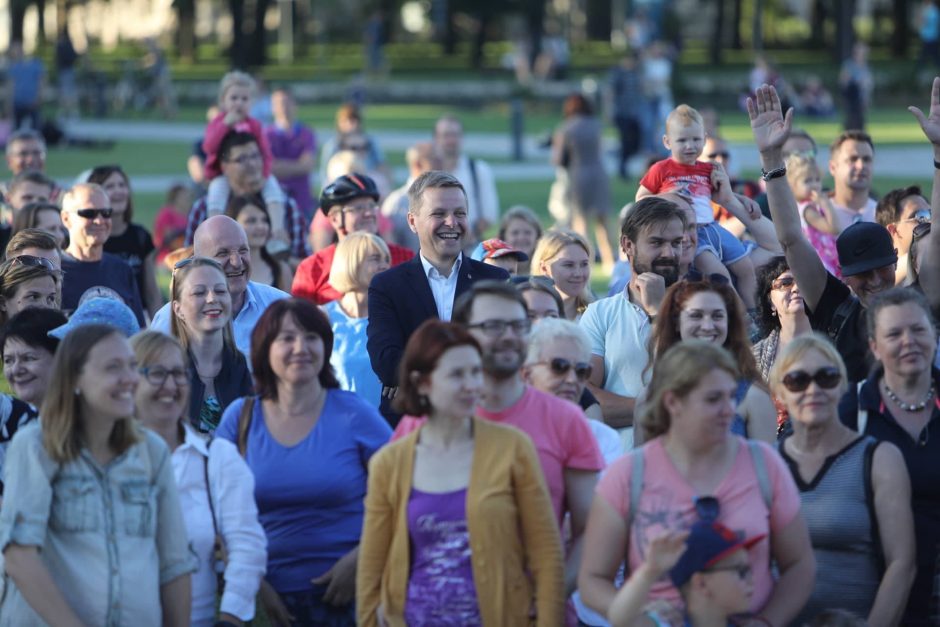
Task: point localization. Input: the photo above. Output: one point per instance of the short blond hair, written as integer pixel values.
(795, 350)
(684, 115)
(552, 243)
(799, 167)
(347, 262)
(70, 198)
(233, 79)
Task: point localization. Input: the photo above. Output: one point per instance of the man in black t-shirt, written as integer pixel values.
(866, 251)
(88, 270)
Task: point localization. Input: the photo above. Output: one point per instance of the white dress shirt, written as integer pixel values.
(444, 288)
(233, 496)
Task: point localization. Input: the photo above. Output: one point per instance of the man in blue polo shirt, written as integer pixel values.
(223, 239)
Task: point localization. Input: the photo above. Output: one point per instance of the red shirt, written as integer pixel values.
(312, 279)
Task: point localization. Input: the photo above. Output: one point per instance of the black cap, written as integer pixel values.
(865, 246)
(346, 188)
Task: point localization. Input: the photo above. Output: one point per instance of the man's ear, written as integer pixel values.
(336, 219)
(411, 222)
(627, 247)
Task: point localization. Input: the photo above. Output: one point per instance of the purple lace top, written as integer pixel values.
(440, 590)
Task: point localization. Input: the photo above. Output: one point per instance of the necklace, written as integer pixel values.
(910, 407)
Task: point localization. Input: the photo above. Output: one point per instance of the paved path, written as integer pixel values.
(897, 162)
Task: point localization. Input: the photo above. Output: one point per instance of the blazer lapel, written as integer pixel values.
(465, 276)
(418, 282)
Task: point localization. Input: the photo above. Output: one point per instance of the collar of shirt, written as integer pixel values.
(432, 273)
(194, 440)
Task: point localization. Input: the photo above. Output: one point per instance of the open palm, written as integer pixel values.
(770, 126)
(930, 123)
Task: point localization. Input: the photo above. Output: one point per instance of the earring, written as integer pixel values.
(773, 312)
(78, 392)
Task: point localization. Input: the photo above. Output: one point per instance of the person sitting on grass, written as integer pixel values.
(708, 564)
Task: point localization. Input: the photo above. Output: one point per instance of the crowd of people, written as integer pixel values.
(361, 408)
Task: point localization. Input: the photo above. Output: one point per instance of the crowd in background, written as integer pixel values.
(407, 406)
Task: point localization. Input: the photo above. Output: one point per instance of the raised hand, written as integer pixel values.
(664, 551)
(770, 126)
(930, 124)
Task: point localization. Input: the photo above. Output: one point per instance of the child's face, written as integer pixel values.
(237, 99)
(725, 586)
(684, 141)
(806, 185)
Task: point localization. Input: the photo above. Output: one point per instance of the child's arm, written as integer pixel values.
(276, 204)
(663, 553)
(724, 196)
(642, 192)
(216, 130)
(825, 221)
(217, 196)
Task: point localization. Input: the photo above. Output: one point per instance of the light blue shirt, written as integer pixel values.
(443, 288)
(110, 536)
(257, 298)
(349, 358)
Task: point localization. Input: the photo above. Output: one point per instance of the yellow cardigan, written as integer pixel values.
(509, 519)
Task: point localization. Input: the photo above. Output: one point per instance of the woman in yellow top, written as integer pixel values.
(459, 528)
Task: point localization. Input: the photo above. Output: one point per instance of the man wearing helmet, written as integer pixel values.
(351, 205)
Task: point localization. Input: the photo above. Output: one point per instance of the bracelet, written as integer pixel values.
(936, 164)
(775, 173)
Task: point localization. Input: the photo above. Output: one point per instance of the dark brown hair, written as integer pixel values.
(308, 317)
(463, 306)
(102, 173)
(424, 349)
(576, 104)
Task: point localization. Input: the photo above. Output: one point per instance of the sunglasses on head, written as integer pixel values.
(707, 508)
(91, 214)
(826, 378)
(561, 366)
(182, 263)
(783, 283)
(33, 262)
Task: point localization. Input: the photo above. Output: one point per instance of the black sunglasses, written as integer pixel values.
(707, 508)
(826, 378)
(33, 262)
(562, 366)
(783, 283)
(922, 229)
(91, 214)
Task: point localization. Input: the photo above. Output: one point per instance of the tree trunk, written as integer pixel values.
(17, 16)
(902, 32)
(450, 28)
(238, 51)
(186, 29)
(757, 42)
(479, 39)
(737, 14)
(717, 33)
(41, 19)
(818, 24)
(259, 52)
(536, 27)
(845, 29)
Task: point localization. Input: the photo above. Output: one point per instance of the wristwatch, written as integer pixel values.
(773, 174)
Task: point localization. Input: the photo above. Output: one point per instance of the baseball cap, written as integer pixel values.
(496, 248)
(100, 311)
(865, 246)
(708, 543)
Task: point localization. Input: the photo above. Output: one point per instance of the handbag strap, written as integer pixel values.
(205, 474)
(244, 422)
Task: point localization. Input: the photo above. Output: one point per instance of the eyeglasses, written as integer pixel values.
(22, 154)
(360, 209)
(783, 283)
(246, 159)
(707, 508)
(496, 328)
(91, 214)
(33, 262)
(743, 570)
(717, 155)
(922, 229)
(561, 366)
(798, 380)
(920, 216)
(157, 376)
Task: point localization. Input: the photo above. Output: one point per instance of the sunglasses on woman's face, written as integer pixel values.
(561, 366)
(783, 283)
(826, 378)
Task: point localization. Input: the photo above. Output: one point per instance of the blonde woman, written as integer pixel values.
(565, 257)
(91, 527)
(359, 257)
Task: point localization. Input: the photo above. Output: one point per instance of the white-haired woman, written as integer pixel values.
(565, 257)
(359, 257)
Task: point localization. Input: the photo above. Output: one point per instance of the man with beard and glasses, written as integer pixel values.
(223, 239)
(651, 237)
(497, 316)
(403, 297)
(867, 254)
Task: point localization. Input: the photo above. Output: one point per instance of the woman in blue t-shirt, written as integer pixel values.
(308, 444)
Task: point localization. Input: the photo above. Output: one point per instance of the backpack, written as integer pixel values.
(841, 315)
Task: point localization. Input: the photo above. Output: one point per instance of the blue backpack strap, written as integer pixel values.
(760, 469)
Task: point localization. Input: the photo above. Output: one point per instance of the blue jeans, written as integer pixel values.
(309, 610)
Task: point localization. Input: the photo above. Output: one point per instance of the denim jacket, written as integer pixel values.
(109, 536)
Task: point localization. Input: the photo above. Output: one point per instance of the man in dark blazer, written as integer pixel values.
(403, 297)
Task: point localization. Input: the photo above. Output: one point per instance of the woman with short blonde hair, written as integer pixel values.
(359, 257)
(565, 257)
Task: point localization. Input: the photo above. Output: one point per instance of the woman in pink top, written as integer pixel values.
(691, 453)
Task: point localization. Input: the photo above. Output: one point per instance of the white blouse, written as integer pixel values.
(233, 496)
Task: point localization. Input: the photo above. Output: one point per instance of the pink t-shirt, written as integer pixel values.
(667, 503)
(695, 180)
(824, 243)
(558, 429)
